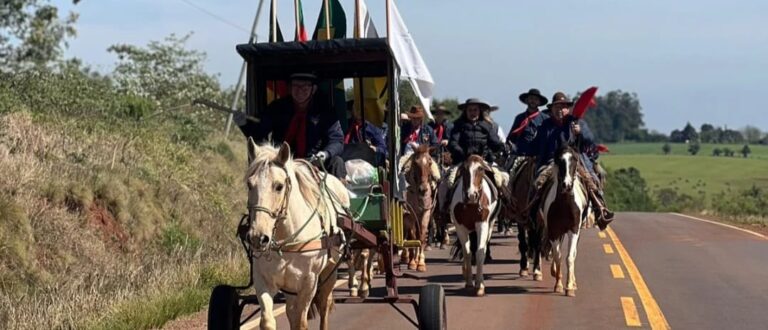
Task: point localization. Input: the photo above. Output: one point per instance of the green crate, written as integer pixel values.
(370, 210)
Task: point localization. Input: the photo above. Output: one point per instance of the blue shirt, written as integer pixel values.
(552, 136)
(524, 141)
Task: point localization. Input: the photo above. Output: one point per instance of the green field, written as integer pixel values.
(692, 175)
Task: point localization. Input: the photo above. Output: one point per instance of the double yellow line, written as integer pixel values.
(655, 316)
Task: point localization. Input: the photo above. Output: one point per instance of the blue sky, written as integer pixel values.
(698, 61)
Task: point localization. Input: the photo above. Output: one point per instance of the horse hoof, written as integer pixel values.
(428, 248)
(412, 266)
(353, 292)
(570, 293)
(538, 277)
(524, 273)
(442, 246)
(364, 294)
(559, 289)
(480, 292)
(469, 286)
(421, 268)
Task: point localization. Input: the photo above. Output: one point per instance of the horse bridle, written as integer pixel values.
(279, 215)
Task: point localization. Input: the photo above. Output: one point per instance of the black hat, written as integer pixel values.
(441, 108)
(535, 92)
(560, 98)
(474, 100)
(304, 76)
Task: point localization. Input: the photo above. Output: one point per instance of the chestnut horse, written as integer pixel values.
(421, 179)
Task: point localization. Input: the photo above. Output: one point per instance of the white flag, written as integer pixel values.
(364, 27)
(412, 66)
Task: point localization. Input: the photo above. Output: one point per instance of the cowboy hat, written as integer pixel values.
(474, 100)
(303, 76)
(441, 108)
(494, 108)
(560, 98)
(416, 112)
(533, 92)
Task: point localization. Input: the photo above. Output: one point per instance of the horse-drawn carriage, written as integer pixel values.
(373, 218)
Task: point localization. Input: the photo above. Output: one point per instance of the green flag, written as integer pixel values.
(334, 88)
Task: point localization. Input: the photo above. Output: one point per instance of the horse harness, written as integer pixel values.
(322, 241)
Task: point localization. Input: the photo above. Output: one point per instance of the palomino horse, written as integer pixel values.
(564, 208)
(296, 246)
(420, 196)
(362, 260)
(528, 236)
(473, 207)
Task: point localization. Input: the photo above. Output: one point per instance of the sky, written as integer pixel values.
(687, 61)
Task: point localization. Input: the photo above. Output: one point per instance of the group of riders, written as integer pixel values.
(302, 120)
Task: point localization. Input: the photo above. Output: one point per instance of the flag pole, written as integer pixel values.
(273, 20)
(327, 20)
(388, 19)
(358, 22)
(296, 18)
(238, 90)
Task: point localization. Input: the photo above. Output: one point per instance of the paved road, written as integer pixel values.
(649, 271)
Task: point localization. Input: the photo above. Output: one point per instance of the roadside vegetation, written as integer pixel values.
(118, 200)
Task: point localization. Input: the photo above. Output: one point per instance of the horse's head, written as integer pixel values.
(567, 159)
(472, 174)
(420, 172)
(269, 187)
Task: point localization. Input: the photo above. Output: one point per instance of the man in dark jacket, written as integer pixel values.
(473, 133)
(304, 122)
(441, 125)
(562, 129)
(365, 132)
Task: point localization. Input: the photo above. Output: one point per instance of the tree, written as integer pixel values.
(407, 96)
(752, 134)
(708, 134)
(716, 152)
(617, 117)
(689, 133)
(727, 152)
(666, 148)
(694, 148)
(32, 34)
(165, 72)
(746, 151)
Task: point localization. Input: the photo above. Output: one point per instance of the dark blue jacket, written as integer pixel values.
(447, 127)
(524, 141)
(323, 128)
(551, 137)
(426, 134)
(373, 135)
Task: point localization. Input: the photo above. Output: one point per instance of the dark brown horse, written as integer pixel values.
(521, 183)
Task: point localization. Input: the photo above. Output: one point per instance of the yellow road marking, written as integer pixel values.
(655, 316)
(630, 312)
(255, 323)
(608, 248)
(601, 234)
(616, 271)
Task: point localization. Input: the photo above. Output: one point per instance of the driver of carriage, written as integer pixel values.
(303, 120)
(562, 129)
(365, 132)
(474, 134)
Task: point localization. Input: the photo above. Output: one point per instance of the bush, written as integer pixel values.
(626, 190)
(669, 200)
(753, 201)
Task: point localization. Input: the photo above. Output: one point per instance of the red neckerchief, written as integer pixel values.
(525, 122)
(356, 129)
(297, 134)
(440, 130)
(414, 137)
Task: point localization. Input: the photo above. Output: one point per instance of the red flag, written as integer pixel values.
(601, 148)
(301, 31)
(585, 101)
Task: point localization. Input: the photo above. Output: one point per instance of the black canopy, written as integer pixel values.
(337, 58)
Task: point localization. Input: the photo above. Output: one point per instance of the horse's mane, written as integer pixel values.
(264, 157)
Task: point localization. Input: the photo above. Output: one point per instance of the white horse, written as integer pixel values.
(563, 211)
(474, 207)
(292, 230)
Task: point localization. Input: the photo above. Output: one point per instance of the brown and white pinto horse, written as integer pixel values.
(420, 195)
(563, 209)
(474, 206)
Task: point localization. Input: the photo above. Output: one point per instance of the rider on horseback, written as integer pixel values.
(472, 134)
(563, 129)
(523, 133)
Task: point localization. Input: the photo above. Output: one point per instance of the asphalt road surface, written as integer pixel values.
(648, 270)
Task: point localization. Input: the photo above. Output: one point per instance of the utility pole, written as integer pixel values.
(240, 80)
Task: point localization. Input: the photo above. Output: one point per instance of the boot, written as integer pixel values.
(604, 215)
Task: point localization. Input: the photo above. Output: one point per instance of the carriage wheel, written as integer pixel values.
(224, 309)
(431, 312)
